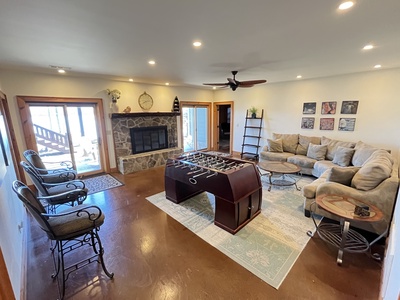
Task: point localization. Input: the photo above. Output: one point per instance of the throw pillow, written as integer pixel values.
(363, 152)
(333, 145)
(304, 141)
(289, 141)
(316, 151)
(342, 175)
(275, 145)
(373, 172)
(343, 156)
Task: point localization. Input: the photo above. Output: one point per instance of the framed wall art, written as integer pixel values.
(309, 108)
(326, 123)
(307, 123)
(347, 124)
(349, 107)
(328, 108)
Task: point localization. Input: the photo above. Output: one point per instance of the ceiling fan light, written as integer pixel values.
(368, 47)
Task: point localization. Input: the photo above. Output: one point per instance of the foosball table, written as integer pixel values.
(235, 183)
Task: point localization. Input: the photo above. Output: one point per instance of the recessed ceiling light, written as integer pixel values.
(62, 71)
(130, 79)
(299, 76)
(214, 87)
(152, 62)
(346, 5)
(368, 47)
(167, 83)
(377, 66)
(197, 43)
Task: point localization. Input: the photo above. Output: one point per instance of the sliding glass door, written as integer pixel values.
(67, 132)
(195, 126)
(61, 129)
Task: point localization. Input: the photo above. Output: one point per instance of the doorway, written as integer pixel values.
(223, 126)
(195, 126)
(66, 131)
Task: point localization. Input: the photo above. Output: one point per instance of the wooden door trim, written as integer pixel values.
(16, 157)
(27, 126)
(215, 125)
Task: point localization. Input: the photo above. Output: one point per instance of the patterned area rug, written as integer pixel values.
(268, 246)
(101, 183)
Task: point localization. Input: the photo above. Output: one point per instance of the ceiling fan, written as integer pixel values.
(234, 84)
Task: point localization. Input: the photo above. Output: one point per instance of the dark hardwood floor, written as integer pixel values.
(155, 257)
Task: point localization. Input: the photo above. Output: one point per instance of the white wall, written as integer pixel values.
(377, 119)
(35, 84)
(12, 215)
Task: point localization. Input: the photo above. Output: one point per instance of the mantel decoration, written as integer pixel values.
(114, 94)
(175, 107)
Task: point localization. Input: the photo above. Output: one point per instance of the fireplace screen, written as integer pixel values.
(146, 139)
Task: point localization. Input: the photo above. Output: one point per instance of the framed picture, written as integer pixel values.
(326, 123)
(309, 108)
(307, 123)
(349, 107)
(328, 108)
(347, 124)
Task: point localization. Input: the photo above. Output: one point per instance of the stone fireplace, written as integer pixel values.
(157, 140)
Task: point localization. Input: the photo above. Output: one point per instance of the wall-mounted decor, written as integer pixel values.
(307, 123)
(326, 123)
(328, 108)
(347, 124)
(309, 108)
(349, 107)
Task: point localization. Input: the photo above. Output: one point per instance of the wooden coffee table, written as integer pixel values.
(340, 235)
(279, 173)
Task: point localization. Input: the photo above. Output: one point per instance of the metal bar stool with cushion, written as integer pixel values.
(56, 194)
(71, 229)
(62, 171)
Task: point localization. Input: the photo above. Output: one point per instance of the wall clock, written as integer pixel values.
(145, 101)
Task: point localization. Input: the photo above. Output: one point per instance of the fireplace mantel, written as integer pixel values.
(144, 114)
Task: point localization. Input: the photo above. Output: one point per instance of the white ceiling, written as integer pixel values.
(263, 39)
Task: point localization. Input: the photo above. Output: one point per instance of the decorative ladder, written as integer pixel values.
(252, 136)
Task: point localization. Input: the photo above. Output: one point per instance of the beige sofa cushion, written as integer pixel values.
(316, 152)
(333, 145)
(376, 169)
(304, 141)
(289, 141)
(275, 145)
(343, 156)
(342, 175)
(362, 153)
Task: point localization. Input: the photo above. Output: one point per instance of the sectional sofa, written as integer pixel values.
(353, 169)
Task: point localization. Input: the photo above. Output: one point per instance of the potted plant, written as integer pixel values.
(253, 111)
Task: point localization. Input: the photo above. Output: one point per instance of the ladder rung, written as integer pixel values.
(252, 136)
(253, 127)
(250, 145)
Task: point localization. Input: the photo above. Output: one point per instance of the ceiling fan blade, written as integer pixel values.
(232, 81)
(217, 84)
(246, 85)
(252, 82)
